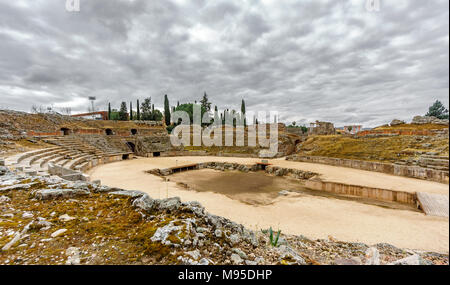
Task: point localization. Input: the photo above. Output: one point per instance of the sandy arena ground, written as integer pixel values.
(312, 216)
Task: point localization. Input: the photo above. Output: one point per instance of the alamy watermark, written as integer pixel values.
(222, 132)
(373, 5)
(73, 5)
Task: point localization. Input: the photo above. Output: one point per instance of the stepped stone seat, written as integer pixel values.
(80, 160)
(43, 155)
(22, 156)
(44, 161)
(73, 158)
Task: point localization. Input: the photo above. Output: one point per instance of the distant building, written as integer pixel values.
(352, 129)
(321, 128)
(101, 115)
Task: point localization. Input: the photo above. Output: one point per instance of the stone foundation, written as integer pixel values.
(222, 166)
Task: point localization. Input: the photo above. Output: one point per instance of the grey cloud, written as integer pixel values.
(326, 60)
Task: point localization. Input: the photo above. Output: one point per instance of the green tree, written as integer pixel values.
(243, 112)
(123, 113)
(437, 110)
(304, 129)
(205, 102)
(189, 108)
(166, 110)
(138, 111)
(131, 111)
(146, 107)
(157, 115)
(109, 111)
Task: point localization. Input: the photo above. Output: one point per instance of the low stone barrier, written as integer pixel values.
(222, 166)
(389, 168)
(66, 173)
(362, 191)
(184, 153)
(204, 153)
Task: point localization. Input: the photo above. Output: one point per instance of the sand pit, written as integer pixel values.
(254, 188)
(297, 213)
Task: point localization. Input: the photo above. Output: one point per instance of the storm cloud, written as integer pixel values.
(326, 60)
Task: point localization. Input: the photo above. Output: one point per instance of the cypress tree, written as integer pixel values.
(138, 111)
(109, 111)
(166, 110)
(131, 111)
(216, 115)
(243, 112)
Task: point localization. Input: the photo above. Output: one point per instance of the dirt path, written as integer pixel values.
(312, 216)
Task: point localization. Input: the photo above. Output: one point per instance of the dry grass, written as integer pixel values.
(413, 127)
(106, 229)
(373, 149)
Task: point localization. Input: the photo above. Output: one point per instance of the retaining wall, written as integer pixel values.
(204, 153)
(389, 168)
(404, 132)
(362, 191)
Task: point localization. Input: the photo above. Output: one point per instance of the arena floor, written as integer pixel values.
(297, 213)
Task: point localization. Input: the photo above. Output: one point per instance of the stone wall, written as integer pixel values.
(362, 191)
(222, 166)
(400, 170)
(404, 132)
(148, 144)
(322, 128)
(66, 173)
(295, 131)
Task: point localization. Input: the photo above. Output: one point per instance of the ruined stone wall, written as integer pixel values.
(362, 191)
(150, 144)
(400, 170)
(295, 131)
(406, 132)
(322, 128)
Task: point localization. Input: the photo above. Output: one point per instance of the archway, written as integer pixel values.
(133, 132)
(109, 132)
(131, 146)
(156, 153)
(65, 131)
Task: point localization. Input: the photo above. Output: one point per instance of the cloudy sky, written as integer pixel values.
(308, 60)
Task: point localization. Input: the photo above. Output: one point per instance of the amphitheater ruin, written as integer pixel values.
(403, 203)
